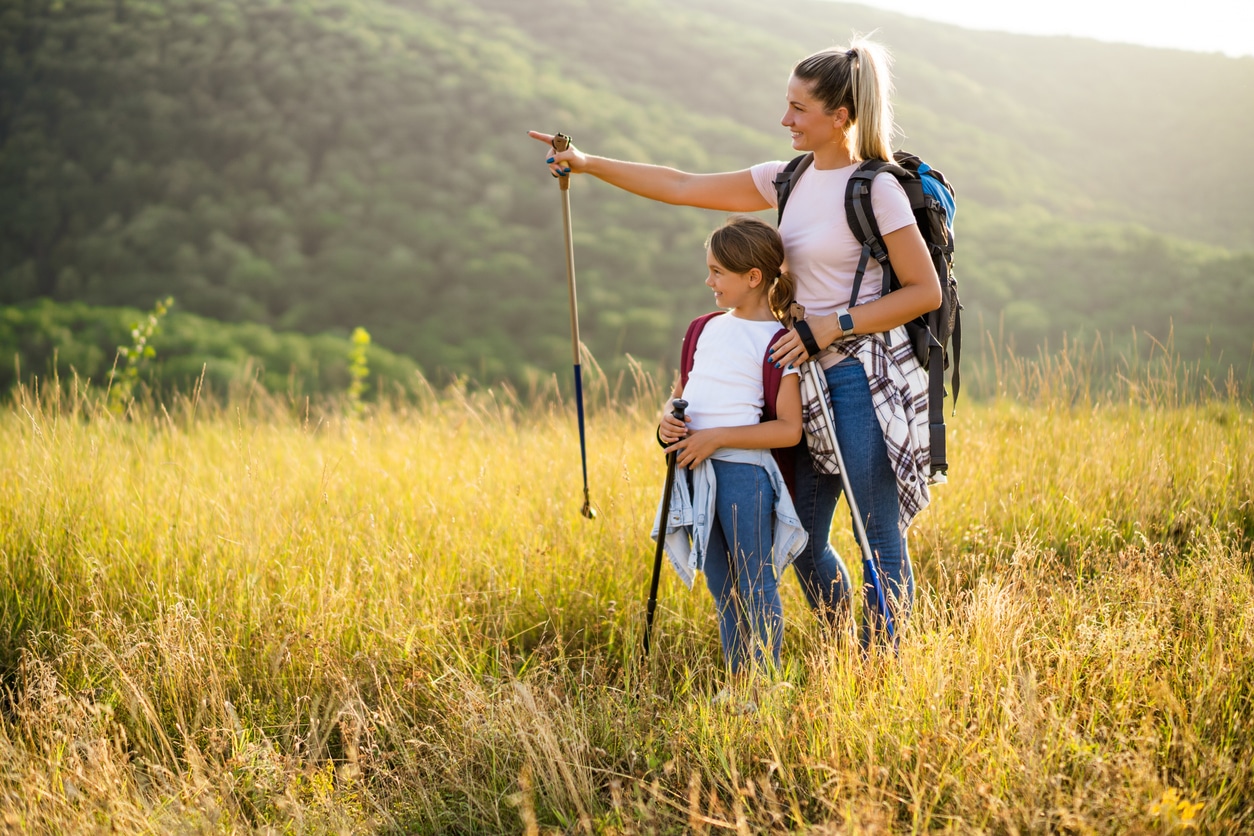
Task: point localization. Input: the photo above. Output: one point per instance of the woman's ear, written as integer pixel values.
(840, 118)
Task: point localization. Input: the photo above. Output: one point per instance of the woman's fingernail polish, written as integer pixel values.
(549, 160)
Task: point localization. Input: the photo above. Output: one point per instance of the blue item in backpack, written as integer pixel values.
(934, 189)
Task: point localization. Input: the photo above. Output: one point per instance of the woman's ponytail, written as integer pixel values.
(872, 94)
(858, 79)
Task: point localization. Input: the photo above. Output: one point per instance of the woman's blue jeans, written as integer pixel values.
(823, 575)
(739, 569)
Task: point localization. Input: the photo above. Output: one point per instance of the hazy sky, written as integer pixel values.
(1204, 25)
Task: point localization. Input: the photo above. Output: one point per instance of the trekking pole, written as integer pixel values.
(870, 571)
(680, 405)
(560, 143)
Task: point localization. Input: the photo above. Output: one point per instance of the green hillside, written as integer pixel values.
(317, 165)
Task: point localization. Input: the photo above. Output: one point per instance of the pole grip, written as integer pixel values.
(561, 142)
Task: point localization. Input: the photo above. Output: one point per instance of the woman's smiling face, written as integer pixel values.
(811, 128)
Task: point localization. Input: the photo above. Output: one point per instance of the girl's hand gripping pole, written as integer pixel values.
(680, 405)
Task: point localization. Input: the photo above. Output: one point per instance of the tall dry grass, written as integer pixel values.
(251, 616)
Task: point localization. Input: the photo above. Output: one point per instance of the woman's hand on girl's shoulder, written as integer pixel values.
(790, 352)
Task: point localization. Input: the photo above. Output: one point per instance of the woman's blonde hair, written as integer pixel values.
(857, 78)
(745, 242)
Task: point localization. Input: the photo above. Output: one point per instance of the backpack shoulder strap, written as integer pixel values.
(860, 215)
(772, 375)
(772, 379)
(858, 209)
(787, 179)
(689, 350)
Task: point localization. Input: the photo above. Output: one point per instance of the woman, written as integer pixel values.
(839, 109)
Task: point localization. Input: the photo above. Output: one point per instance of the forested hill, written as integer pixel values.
(317, 165)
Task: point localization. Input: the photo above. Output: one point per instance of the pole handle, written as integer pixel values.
(679, 405)
(677, 411)
(561, 142)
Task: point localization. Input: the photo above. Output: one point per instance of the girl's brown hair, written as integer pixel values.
(745, 242)
(858, 79)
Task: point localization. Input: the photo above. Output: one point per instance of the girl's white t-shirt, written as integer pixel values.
(724, 387)
(821, 249)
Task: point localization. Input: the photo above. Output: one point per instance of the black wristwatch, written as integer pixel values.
(845, 320)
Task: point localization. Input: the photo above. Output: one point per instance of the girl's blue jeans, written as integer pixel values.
(739, 569)
(823, 575)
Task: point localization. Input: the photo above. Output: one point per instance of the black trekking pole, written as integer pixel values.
(680, 405)
(560, 143)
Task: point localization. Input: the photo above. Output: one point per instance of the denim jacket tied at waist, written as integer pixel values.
(692, 513)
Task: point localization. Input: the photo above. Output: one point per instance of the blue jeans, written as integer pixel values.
(823, 575)
(739, 569)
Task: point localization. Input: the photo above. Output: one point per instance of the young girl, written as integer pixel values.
(732, 517)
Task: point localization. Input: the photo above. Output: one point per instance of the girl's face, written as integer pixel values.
(732, 290)
(811, 128)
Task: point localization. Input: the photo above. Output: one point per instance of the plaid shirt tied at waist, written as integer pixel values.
(899, 393)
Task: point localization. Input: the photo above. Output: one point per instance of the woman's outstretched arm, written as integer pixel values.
(730, 191)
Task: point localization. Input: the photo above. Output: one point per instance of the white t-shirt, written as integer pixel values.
(821, 250)
(724, 387)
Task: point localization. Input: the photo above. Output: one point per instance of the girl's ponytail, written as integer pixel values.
(858, 79)
(780, 296)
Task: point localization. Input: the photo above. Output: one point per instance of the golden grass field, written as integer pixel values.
(252, 616)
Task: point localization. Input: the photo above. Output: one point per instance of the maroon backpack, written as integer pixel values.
(771, 377)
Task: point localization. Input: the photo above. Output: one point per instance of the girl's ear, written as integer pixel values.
(755, 277)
